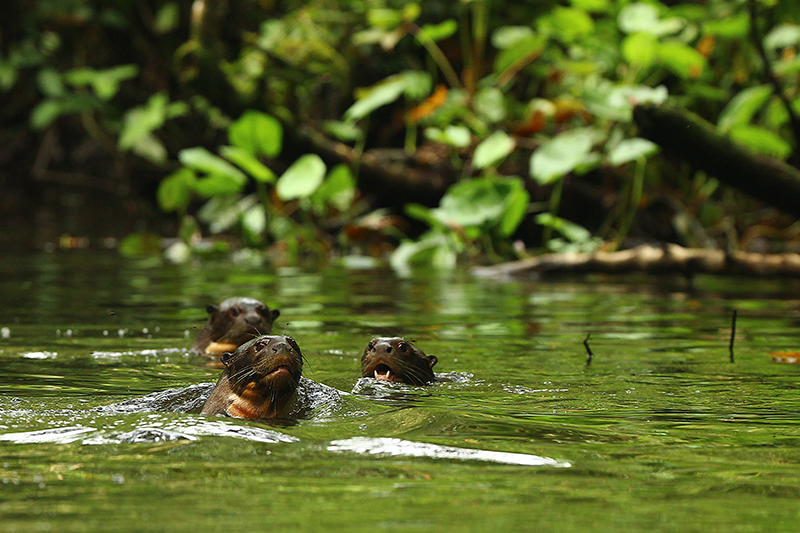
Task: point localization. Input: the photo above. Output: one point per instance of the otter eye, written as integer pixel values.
(235, 311)
(260, 345)
(371, 345)
(263, 311)
(293, 344)
(403, 347)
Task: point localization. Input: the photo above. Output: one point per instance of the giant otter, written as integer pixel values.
(259, 381)
(398, 360)
(231, 324)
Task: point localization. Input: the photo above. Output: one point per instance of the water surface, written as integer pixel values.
(661, 432)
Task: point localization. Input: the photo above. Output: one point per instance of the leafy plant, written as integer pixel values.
(305, 188)
(476, 214)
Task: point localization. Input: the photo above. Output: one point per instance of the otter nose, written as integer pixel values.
(281, 348)
(383, 347)
(252, 318)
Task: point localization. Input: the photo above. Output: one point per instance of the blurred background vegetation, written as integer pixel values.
(423, 133)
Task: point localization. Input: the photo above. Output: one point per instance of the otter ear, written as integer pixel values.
(275, 314)
(211, 309)
(433, 360)
(225, 358)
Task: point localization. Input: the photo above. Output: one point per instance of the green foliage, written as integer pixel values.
(544, 90)
(223, 178)
(474, 214)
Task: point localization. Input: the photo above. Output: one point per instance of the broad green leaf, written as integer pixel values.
(573, 232)
(338, 189)
(379, 95)
(566, 23)
(423, 213)
(523, 50)
(458, 136)
(470, 203)
(681, 59)
(257, 133)
(631, 150)
(517, 200)
(222, 212)
(344, 131)
(104, 83)
(178, 253)
(418, 84)
(217, 185)
(641, 17)
(389, 19)
(175, 191)
(732, 27)
(202, 160)
(640, 49)
(742, 107)
(302, 178)
(434, 249)
(140, 121)
(151, 148)
(775, 115)
(507, 36)
(167, 18)
(248, 162)
(561, 155)
(254, 222)
(782, 36)
(414, 84)
(761, 140)
(8, 75)
(52, 108)
(50, 82)
(490, 104)
(443, 30)
(592, 6)
(493, 150)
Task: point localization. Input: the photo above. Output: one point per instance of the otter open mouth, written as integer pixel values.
(384, 372)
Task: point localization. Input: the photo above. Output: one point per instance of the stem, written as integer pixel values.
(768, 72)
(437, 55)
(633, 202)
(555, 201)
(480, 25)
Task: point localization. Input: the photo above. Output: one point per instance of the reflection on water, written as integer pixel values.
(99, 402)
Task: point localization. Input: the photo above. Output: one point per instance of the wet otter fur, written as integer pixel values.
(396, 359)
(259, 381)
(231, 324)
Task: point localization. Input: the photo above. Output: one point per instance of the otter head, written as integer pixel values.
(263, 375)
(236, 321)
(396, 359)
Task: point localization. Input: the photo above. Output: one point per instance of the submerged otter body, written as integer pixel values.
(231, 324)
(259, 381)
(396, 359)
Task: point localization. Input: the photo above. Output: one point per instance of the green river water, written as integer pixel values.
(660, 433)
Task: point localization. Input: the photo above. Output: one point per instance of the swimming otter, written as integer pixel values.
(396, 359)
(234, 322)
(259, 381)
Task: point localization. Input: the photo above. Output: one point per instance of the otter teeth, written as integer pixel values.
(387, 375)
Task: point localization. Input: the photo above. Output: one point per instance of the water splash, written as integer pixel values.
(407, 448)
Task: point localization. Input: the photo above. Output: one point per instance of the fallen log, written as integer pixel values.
(693, 139)
(654, 260)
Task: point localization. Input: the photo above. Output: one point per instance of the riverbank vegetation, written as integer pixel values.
(423, 133)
